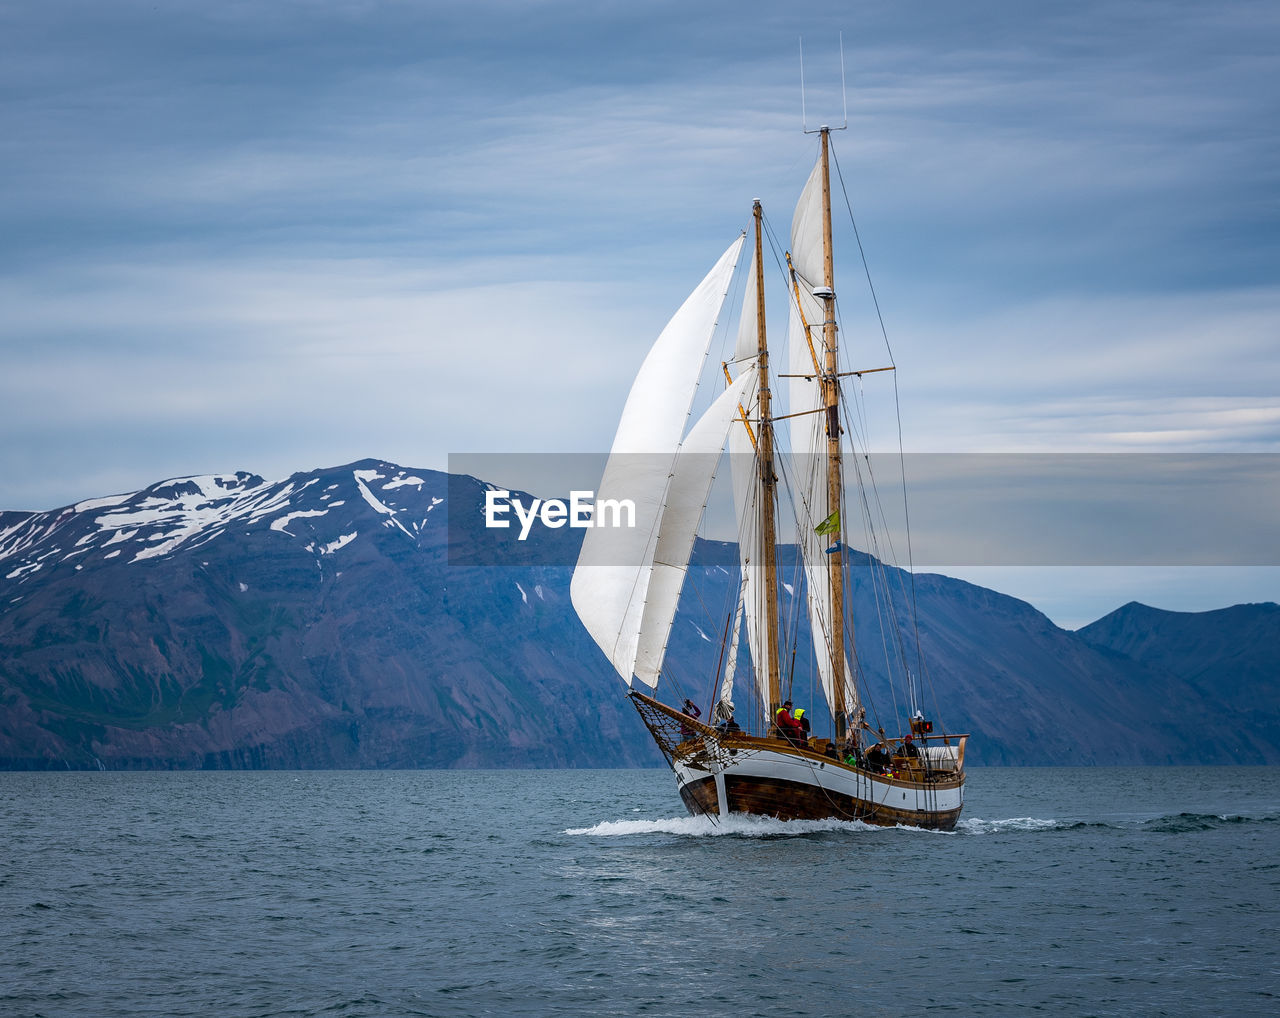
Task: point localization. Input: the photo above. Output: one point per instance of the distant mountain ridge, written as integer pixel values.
(228, 621)
(1231, 656)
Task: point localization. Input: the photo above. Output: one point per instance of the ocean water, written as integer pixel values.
(1064, 891)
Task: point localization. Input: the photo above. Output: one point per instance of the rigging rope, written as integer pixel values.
(915, 615)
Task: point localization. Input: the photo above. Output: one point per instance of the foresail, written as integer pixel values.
(691, 481)
(747, 493)
(731, 663)
(611, 581)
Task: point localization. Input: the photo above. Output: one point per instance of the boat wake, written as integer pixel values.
(976, 825)
(741, 825)
(738, 825)
(1179, 823)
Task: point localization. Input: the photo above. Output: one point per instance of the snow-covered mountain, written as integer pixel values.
(186, 513)
(315, 621)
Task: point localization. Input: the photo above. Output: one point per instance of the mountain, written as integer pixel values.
(362, 616)
(1231, 657)
(313, 622)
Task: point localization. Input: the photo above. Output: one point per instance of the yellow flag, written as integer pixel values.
(831, 525)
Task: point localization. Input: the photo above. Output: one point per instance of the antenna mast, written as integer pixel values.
(844, 94)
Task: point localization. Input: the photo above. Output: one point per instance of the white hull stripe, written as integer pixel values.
(856, 784)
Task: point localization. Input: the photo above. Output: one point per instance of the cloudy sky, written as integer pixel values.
(285, 234)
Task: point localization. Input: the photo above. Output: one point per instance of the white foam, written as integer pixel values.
(977, 825)
(737, 825)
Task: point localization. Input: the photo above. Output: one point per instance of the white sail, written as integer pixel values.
(808, 432)
(747, 493)
(611, 580)
(725, 703)
(686, 499)
(806, 236)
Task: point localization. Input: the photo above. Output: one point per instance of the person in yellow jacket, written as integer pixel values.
(801, 717)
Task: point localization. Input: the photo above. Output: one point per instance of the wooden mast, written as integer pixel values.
(768, 484)
(831, 400)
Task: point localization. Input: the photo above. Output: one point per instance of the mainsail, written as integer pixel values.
(611, 583)
(809, 421)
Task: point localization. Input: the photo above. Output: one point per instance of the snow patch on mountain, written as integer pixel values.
(342, 542)
(363, 477)
(90, 504)
(283, 522)
(191, 507)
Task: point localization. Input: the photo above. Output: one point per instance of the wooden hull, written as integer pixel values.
(765, 777)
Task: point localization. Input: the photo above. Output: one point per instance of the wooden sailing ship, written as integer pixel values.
(629, 579)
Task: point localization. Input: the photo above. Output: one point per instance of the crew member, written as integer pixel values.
(909, 747)
(725, 724)
(788, 727)
(799, 716)
(690, 710)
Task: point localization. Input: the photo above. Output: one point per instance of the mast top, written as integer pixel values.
(844, 96)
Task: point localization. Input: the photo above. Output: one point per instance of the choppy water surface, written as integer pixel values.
(1064, 891)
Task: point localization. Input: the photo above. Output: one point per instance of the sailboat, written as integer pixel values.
(628, 579)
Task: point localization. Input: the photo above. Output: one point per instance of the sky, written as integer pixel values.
(282, 235)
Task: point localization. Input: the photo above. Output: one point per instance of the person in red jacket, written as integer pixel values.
(788, 727)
